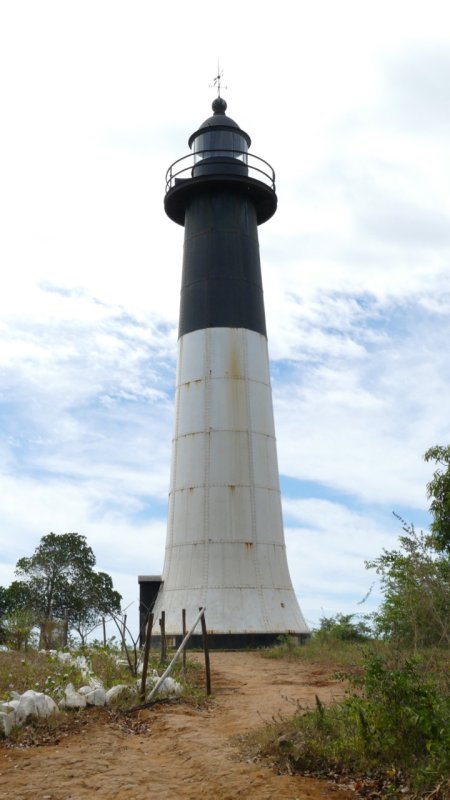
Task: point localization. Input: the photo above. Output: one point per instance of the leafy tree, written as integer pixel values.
(56, 565)
(343, 627)
(59, 582)
(17, 617)
(438, 490)
(94, 598)
(18, 628)
(18, 596)
(3, 608)
(415, 580)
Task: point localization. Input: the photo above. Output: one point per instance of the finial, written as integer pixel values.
(219, 105)
(216, 84)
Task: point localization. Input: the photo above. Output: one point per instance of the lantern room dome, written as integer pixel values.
(219, 121)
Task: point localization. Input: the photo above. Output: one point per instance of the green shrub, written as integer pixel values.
(343, 628)
(394, 724)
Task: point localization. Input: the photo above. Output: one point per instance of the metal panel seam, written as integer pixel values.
(206, 499)
(252, 481)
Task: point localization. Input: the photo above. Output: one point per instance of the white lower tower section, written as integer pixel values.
(225, 545)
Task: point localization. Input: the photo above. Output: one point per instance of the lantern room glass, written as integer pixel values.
(220, 144)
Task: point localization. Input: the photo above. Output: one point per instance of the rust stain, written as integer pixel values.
(248, 545)
(231, 487)
(234, 360)
(234, 363)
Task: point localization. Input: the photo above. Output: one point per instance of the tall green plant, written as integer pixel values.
(415, 581)
(343, 627)
(438, 490)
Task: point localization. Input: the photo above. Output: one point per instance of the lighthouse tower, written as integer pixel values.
(225, 546)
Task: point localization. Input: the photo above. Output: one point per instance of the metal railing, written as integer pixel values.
(220, 162)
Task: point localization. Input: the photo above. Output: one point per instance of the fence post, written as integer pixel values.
(124, 628)
(206, 652)
(170, 667)
(162, 623)
(148, 638)
(183, 619)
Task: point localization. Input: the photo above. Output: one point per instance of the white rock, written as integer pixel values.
(80, 662)
(10, 705)
(25, 709)
(96, 683)
(5, 707)
(168, 688)
(65, 658)
(97, 697)
(115, 692)
(43, 703)
(72, 698)
(6, 723)
(94, 693)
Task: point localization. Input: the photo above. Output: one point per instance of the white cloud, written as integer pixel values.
(97, 103)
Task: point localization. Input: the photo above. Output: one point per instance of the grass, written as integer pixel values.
(43, 672)
(34, 670)
(339, 654)
(391, 734)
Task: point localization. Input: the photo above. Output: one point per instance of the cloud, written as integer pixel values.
(355, 267)
(327, 545)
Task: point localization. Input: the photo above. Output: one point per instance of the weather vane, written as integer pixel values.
(216, 84)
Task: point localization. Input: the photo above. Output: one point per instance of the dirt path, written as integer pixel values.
(184, 752)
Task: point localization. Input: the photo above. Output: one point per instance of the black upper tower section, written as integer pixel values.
(220, 193)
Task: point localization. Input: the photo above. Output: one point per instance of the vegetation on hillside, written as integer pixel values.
(392, 732)
(57, 584)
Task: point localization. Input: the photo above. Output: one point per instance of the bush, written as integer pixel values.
(393, 727)
(343, 628)
(415, 580)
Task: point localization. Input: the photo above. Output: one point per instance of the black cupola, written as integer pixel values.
(220, 155)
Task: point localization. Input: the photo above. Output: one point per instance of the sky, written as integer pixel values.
(350, 103)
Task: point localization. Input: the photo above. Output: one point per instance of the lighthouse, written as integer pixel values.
(225, 547)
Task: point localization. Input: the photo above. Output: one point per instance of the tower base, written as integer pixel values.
(240, 641)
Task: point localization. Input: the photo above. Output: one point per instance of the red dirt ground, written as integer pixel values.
(178, 751)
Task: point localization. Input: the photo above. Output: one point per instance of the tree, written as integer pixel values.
(3, 609)
(415, 580)
(61, 583)
(343, 628)
(438, 490)
(94, 598)
(17, 617)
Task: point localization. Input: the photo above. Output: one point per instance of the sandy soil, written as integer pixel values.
(177, 751)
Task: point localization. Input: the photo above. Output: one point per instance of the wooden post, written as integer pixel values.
(66, 628)
(162, 623)
(124, 627)
(183, 620)
(206, 652)
(104, 631)
(148, 638)
(167, 672)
